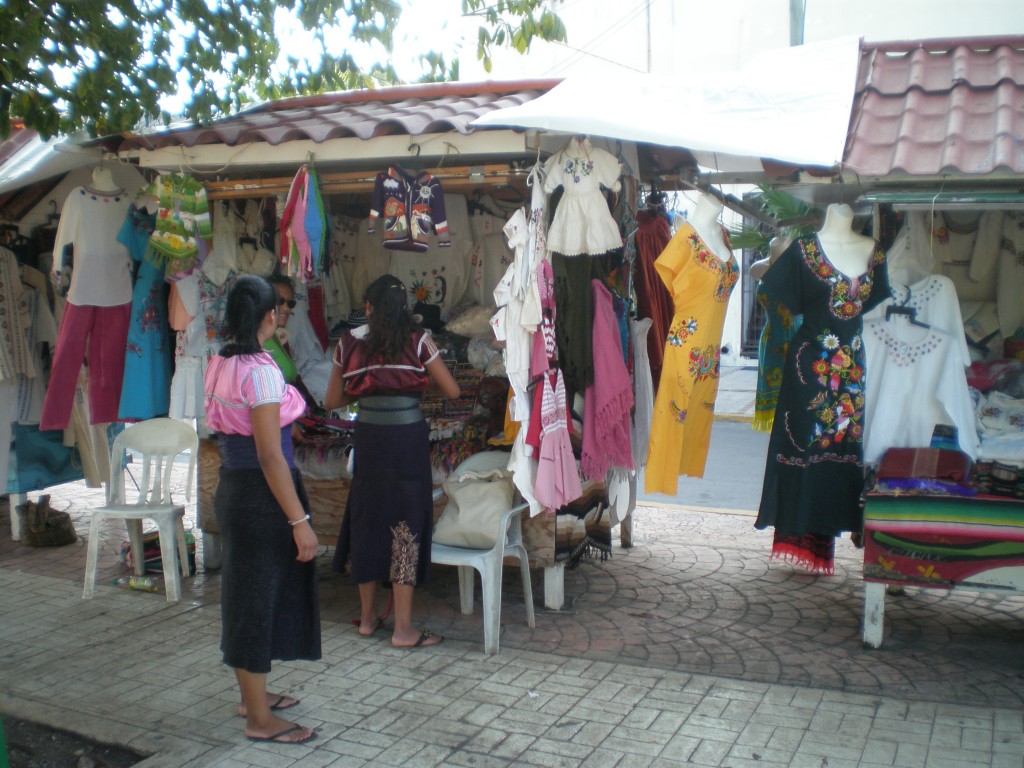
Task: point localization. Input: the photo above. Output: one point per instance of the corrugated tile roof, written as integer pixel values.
(365, 114)
(930, 107)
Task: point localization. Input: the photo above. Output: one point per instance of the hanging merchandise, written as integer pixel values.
(98, 305)
(700, 279)
(412, 207)
(181, 238)
(303, 227)
(814, 472)
(145, 392)
(609, 399)
(779, 327)
(582, 224)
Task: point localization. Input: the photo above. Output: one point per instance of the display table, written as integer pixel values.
(944, 542)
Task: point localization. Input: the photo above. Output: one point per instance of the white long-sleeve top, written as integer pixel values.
(90, 221)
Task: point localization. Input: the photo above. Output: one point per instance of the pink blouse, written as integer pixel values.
(234, 385)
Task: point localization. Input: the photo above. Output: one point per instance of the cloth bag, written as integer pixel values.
(479, 492)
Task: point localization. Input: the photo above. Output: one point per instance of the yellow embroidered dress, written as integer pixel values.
(700, 284)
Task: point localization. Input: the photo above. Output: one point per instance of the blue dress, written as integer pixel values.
(146, 391)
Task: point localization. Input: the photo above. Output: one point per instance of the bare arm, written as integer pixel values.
(443, 379)
(266, 430)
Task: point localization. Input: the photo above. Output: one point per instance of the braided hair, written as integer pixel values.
(390, 323)
(249, 300)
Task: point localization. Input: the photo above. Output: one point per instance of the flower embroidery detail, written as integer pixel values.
(704, 363)
(848, 295)
(830, 341)
(728, 271)
(682, 330)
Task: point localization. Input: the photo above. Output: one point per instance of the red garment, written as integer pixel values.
(652, 297)
(405, 376)
(317, 314)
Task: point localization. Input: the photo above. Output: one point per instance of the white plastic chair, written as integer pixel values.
(159, 441)
(489, 563)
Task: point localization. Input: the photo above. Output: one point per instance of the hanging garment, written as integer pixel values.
(779, 327)
(917, 382)
(933, 300)
(15, 355)
(102, 331)
(336, 281)
(491, 254)
(643, 391)
(574, 326)
(412, 207)
(652, 297)
(582, 223)
(558, 481)
(101, 275)
(145, 391)
(700, 284)
(814, 470)
(42, 334)
(609, 400)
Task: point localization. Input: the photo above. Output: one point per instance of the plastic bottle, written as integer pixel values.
(143, 583)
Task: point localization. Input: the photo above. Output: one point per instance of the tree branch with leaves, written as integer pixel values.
(103, 67)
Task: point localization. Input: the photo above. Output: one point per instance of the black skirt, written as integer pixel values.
(389, 519)
(270, 602)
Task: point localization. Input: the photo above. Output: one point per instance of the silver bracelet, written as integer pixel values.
(300, 521)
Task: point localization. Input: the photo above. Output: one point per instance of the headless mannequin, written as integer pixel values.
(846, 250)
(705, 221)
(103, 180)
(778, 244)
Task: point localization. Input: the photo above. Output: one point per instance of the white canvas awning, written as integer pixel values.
(791, 105)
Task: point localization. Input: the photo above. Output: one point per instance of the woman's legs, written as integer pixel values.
(368, 620)
(405, 635)
(260, 722)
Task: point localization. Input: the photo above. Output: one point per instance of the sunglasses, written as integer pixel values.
(289, 302)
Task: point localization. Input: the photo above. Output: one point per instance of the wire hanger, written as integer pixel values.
(904, 308)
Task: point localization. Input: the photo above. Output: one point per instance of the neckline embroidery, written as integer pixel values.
(847, 297)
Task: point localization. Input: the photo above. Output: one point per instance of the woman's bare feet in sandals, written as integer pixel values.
(418, 638)
(280, 731)
(276, 702)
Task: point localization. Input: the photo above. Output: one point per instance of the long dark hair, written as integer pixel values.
(249, 300)
(390, 323)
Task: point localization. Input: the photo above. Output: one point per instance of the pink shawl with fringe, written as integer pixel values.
(608, 401)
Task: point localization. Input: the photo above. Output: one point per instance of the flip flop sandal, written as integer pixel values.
(276, 738)
(277, 706)
(424, 634)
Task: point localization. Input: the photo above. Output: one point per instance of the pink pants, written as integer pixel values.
(104, 332)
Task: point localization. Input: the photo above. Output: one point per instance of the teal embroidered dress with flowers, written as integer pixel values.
(814, 471)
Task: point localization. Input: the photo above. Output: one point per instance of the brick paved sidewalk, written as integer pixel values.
(690, 648)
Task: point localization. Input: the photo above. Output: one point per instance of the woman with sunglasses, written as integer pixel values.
(286, 303)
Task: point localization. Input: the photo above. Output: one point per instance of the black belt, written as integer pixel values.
(389, 409)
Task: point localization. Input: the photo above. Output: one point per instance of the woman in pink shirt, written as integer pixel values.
(270, 606)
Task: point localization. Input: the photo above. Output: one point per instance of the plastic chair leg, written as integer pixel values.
(179, 529)
(490, 586)
(466, 577)
(524, 567)
(91, 558)
(168, 550)
(135, 540)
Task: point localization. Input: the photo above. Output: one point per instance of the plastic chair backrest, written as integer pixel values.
(159, 441)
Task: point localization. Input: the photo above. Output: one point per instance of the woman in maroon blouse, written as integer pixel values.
(385, 535)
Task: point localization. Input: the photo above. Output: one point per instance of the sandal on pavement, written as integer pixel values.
(378, 625)
(283, 701)
(277, 738)
(423, 641)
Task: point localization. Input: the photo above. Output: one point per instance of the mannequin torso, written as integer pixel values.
(846, 250)
(103, 180)
(778, 244)
(705, 221)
